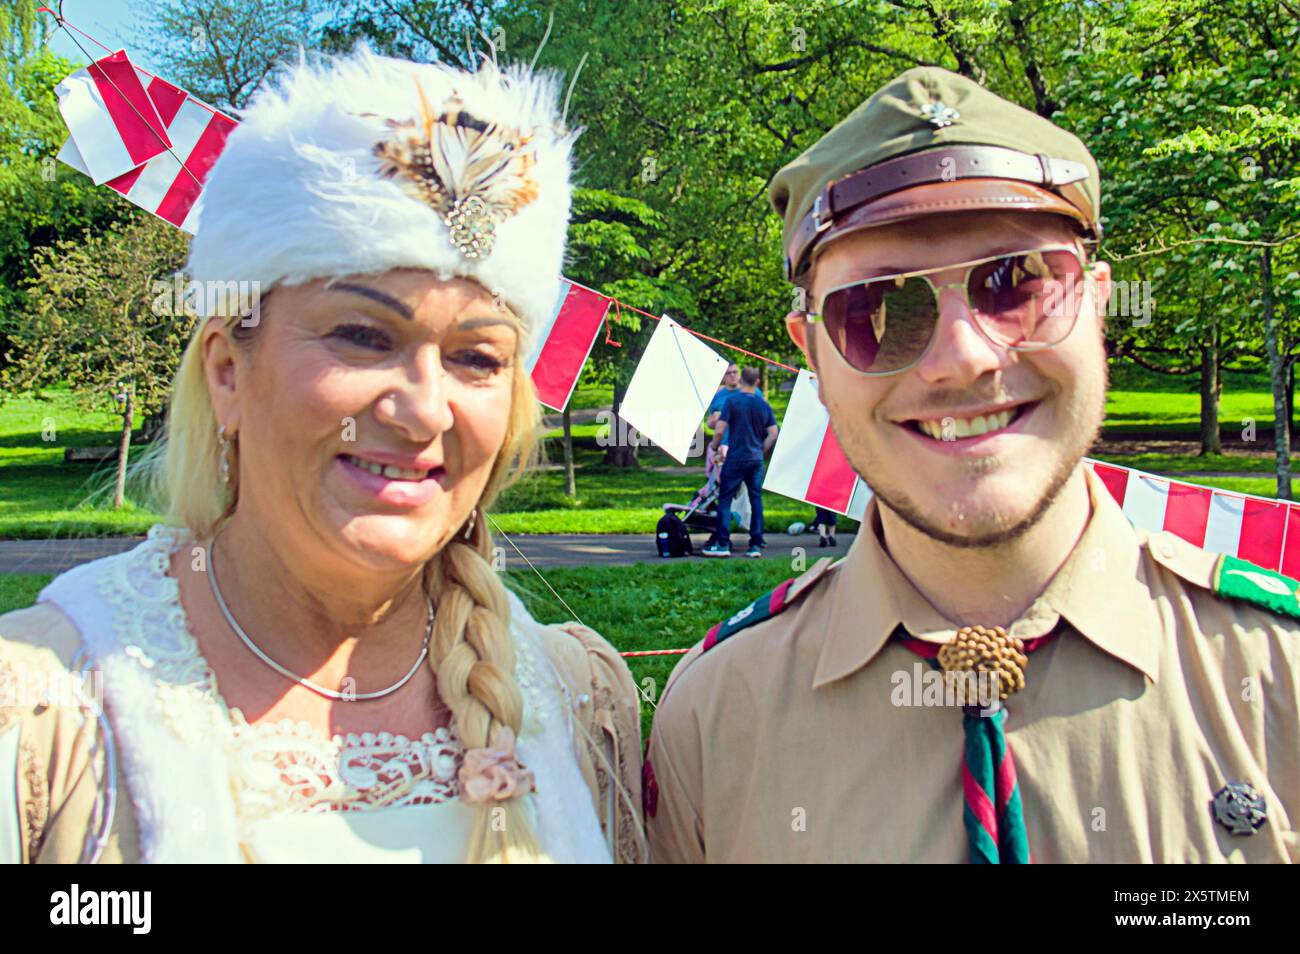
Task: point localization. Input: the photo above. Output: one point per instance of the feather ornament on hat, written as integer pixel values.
(474, 173)
(360, 164)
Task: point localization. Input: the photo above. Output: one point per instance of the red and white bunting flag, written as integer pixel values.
(1263, 531)
(196, 135)
(807, 462)
(109, 112)
(562, 346)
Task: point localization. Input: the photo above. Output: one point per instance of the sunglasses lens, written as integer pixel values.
(1028, 299)
(881, 326)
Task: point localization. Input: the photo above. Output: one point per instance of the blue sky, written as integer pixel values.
(115, 23)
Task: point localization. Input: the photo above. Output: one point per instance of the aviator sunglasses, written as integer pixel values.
(1025, 301)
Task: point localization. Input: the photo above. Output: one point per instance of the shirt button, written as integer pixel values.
(1167, 550)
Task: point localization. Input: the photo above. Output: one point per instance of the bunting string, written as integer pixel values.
(702, 335)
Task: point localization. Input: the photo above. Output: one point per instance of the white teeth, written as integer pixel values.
(399, 473)
(388, 470)
(950, 429)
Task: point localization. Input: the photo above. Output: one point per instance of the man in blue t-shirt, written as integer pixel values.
(748, 427)
(730, 386)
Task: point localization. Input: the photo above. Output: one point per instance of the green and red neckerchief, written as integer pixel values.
(992, 812)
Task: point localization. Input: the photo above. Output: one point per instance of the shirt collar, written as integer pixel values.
(1100, 591)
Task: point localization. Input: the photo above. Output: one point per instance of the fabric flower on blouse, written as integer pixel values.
(493, 773)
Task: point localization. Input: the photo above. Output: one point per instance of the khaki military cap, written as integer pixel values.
(930, 142)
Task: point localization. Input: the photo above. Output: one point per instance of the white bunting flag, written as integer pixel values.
(807, 461)
(672, 387)
(169, 184)
(1263, 531)
(563, 344)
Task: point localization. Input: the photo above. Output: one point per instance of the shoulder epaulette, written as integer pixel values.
(766, 606)
(1242, 580)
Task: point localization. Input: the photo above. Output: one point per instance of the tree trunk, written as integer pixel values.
(1210, 442)
(152, 426)
(570, 485)
(619, 452)
(1277, 377)
(124, 449)
(1290, 393)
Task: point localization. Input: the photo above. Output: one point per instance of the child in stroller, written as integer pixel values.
(702, 512)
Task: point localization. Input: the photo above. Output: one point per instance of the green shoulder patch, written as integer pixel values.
(1242, 580)
(767, 605)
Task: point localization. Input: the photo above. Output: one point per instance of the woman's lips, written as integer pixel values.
(393, 491)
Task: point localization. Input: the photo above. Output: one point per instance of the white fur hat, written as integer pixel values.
(361, 164)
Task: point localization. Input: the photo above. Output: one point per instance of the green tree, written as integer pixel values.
(449, 31)
(1248, 123)
(1132, 84)
(609, 243)
(222, 50)
(106, 320)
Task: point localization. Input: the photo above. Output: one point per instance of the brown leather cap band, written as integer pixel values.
(1051, 178)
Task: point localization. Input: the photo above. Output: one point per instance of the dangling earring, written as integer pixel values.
(468, 533)
(225, 454)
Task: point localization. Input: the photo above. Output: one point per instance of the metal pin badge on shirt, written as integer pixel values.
(1239, 808)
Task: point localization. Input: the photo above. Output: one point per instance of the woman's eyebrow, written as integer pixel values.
(374, 294)
(471, 323)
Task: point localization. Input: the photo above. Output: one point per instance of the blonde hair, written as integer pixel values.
(471, 653)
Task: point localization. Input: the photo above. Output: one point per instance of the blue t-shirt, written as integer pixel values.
(720, 399)
(748, 417)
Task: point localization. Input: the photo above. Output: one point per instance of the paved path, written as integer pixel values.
(543, 550)
(55, 556)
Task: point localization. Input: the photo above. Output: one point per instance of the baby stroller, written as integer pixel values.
(702, 512)
(673, 532)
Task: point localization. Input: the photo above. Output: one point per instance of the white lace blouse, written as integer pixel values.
(204, 782)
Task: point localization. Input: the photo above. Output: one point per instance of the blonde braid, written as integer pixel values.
(472, 655)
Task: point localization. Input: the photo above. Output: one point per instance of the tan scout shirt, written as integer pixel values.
(798, 739)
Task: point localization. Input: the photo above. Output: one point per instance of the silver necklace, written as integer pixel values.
(318, 689)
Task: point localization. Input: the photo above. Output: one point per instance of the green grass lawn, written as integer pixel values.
(1141, 400)
(1175, 463)
(669, 606)
(18, 590)
(1130, 412)
(614, 500)
(41, 496)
